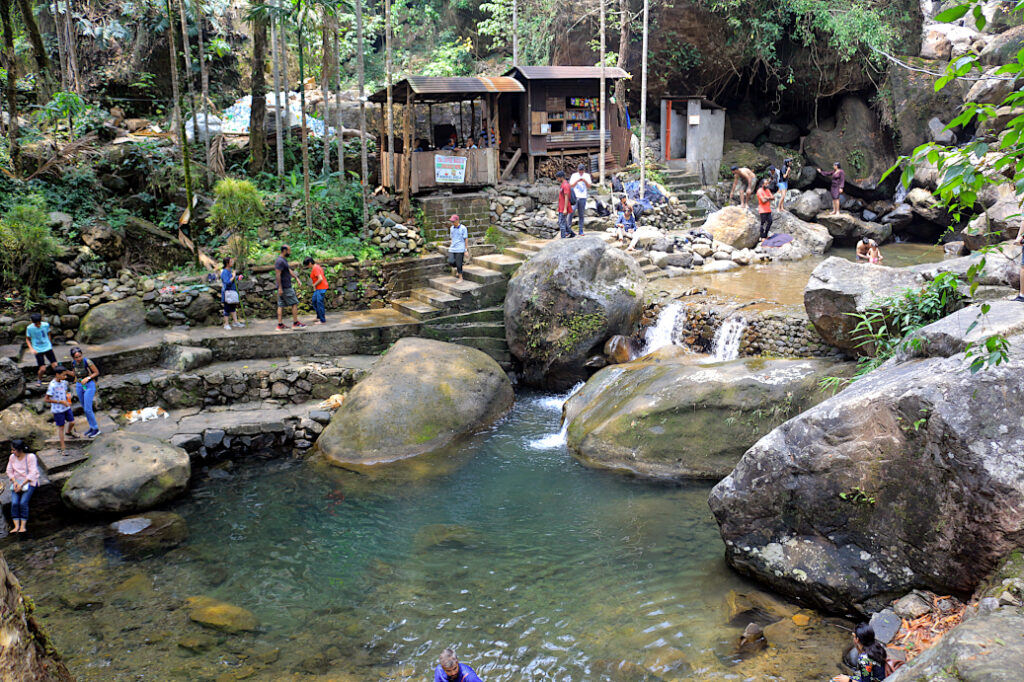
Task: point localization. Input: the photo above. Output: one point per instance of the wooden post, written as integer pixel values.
(364, 160)
(406, 207)
(391, 102)
(643, 103)
(601, 113)
(462, 126)
(494, 121)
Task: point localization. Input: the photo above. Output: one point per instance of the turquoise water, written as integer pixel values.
(532, 566)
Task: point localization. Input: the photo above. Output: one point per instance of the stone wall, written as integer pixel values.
(773, 333)
(234, 440)
(473, 210)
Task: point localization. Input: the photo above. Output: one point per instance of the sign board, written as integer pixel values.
(450, 169)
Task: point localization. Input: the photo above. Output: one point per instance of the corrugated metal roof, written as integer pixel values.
(566, 72)
(435, 88)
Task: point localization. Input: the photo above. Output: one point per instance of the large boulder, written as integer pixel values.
(809, 204)
(927, 206)
(127, 472)
(849, 228)
(736, 226)
(105, 241)
(27, 652)
(672, 416)
(911, 477)
(954, 333)
(857, 141)
(109, 321)
(945, 41)
(744, 155)
(17, 421)
(993, 88)
(999, 222)
(420, 396)
(565, 302)
(1003, 48)
(12, 382)
(915, 101)
(984, 649)
(838, 287)
(816, 238)
(1001, 267)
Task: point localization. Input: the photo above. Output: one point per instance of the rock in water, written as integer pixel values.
(839, 287)
(12, 382)
(851, 229)
(910, 477)
(127, 472)
(113, 320)
(735, 226)
(565, 302)
(419, 397)
(669, 416)
(219, 615)
(146, 535)
(809, 204)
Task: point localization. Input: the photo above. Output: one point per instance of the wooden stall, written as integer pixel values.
(431, 162)
(558, 116)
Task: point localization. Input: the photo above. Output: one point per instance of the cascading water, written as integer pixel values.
(660, 333)
(726, 344)
(554, 440)
(901, 194)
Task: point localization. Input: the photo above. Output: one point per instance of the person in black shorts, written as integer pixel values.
(285, 292)
(39, 343)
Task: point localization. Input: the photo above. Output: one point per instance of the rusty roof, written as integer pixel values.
(566, 72)
(441, 89)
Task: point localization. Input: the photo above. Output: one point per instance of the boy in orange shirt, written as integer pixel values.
(764, 208)
(316, 274)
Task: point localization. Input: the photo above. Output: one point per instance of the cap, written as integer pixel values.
(454, 219)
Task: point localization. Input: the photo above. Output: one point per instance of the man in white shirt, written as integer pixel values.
(581, 184)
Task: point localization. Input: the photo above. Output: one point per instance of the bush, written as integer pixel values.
(27, 246)
(237, 206)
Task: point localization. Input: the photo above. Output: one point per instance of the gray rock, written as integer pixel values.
(839, 287)
(12, 382)
(320, 416)
(814, 237)
(185, 358)
(926, 205)
(809, 204)
(147, 535)
(565, 302)
(203, 307)
(783, 133)
(804, 508)
(735, 226)
(109, 321)
(190, 442)
(899, 217)
(857, 134)
(212, 438)
(1003, 48)
(679, 260)
(953, 333)
(127, 472)
(886, 624)
(850, 228)
(911, 606)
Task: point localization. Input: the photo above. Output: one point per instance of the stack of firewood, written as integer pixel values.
(550, 165)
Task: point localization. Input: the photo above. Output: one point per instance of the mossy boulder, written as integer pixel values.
(565, 303)
(420, 397)
(672, 416)
(127, 472)
(113, 320)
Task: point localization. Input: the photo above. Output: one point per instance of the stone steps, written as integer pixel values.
(416, 308)
(482, 275)
(438, 299)
(447, 332)
(503, 263)
(520, 251)
(54, 463)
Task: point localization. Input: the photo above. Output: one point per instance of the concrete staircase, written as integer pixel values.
(687, 188)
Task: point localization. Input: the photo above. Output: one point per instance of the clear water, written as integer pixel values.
(532, 566)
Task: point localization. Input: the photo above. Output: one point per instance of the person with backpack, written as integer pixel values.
(229, 293)
(871, 657)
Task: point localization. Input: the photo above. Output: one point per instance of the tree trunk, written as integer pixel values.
(204, 94)
(392, 176)
(364, 165)
(71, 47)
(515, 32)
(302, 106)
(62, 56)
(643, 103)
(602, 114)
(620, 84)
(11, 64)
(46, 83)
(336, 70)
(258, 113)
(186, 162)
(282, 35)
(325, 79)
(186, 50)
(278, 122)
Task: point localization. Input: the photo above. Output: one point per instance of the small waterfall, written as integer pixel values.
(551, 441)
(901, 194)
(660, 333)
(726, 344)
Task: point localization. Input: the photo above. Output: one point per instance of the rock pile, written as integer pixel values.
(393, 237)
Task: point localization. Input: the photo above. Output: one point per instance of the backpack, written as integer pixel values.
(616, 184)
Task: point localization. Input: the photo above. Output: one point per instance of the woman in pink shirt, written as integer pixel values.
(23, 472)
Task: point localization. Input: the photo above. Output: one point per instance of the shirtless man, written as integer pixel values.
(751, 180)
(863, 248)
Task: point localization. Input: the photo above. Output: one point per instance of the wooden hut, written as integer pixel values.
(558, 117)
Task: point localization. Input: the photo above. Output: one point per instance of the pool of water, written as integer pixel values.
(532, 566)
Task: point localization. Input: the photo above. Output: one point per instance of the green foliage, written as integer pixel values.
(498, 238)
(857, 496)
(452, 58)
(27, 245)
(237, 206)
(539, 22)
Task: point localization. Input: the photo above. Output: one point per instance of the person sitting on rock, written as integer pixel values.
(625, 226)
(871, 657)
(450, 670)
(23, 473)
(746, 175)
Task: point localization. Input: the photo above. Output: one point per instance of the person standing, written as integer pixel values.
(564, 206)
(787, 168)
(23, 472)
(1018, 241)
(85, 388)
(316, 275)
(764, 208)
(39, 343)
(459, 236)
(450, 670)
(581, 182)
(285, 292)
(229, 297)
(838, 184)
(742, 175)
(60, 405)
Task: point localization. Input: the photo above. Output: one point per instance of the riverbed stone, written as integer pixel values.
(127, 472)
(220, 615)
(12, 382)
(669, 415)
(810, 203)
(109, 321)
(565, 302)
(924, 454)
(419, 397)
(147, 535)
(838, 287)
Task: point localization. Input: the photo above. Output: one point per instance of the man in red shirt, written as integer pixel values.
(764, 208)
(316, 274)
(564, 206)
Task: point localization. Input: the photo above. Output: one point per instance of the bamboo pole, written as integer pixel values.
(391, 102)
(204, 93)
(407, 153)
(643, 104)
(325, 80)
(58, 29)
(72, 50)
(601, 114)
(186, 49)
(363, 160)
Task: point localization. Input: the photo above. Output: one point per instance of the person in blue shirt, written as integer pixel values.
(450, 670)
(38, 335)
(459, 248)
